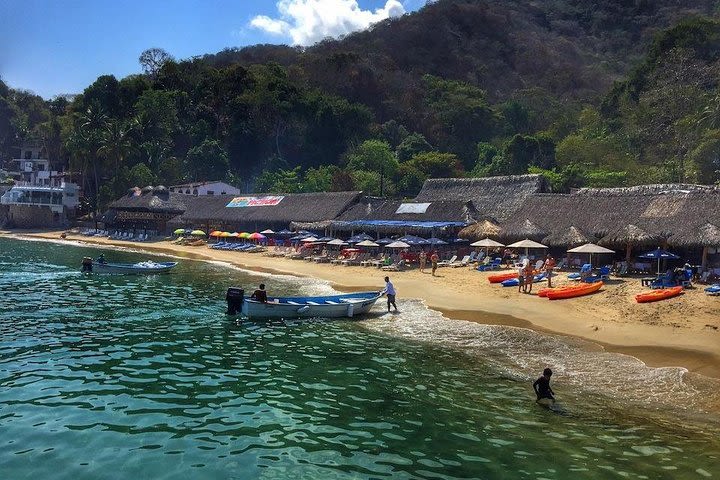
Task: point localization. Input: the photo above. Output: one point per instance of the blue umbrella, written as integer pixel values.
(325, 239)
(436, 241)
(413, 240)
(359, 238)
(660, 254)
(284, 232)
(384, 241)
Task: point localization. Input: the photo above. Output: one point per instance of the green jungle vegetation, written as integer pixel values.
(588, 93)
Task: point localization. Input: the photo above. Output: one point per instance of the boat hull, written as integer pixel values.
(143, 268)
(656, 295)
(332, 306)
(501, 277)
(576, 291)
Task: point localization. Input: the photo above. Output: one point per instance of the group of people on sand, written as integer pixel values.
(527, 272)
(423, 258)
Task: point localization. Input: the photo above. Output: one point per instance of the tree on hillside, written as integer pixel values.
(152, 60)
(208, 161)
(374, 156)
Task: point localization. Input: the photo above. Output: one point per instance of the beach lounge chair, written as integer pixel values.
(665, 281)
(395, 267)
(445, 263)
(584, 272)
(538, 265)
(460, 263)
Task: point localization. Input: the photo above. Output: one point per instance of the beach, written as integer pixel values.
(679, 332)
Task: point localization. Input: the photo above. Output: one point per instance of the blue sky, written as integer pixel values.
(55, 47)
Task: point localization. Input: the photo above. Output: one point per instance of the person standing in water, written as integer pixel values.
(542, 387)
(390, 293)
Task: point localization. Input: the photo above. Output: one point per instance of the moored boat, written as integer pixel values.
(573, 291)
(139, 268)
(659, 294)
(328, 306)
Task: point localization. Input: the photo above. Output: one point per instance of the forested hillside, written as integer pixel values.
(588, 93)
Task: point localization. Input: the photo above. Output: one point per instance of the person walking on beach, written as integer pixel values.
(529, 277)
(549, 266)
(521, 278)
(542, 387)
(422, 259)
(390, 293)
(434, 260)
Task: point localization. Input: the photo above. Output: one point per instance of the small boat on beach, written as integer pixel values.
(659, 294)
(572, 291)
(501, 277)
(329, 306)
(140, 268)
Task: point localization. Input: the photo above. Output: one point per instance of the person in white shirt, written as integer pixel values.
(390, 293)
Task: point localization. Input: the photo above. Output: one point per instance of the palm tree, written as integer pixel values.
(116, 142)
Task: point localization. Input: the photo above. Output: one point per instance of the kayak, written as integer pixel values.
(574, 291)
(660, 294)
(543, 292)
(501, 277)
(514, 282)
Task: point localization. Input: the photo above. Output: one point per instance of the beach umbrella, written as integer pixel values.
(179, 231)
(628, 236)
(413, 240)
(482, 229)
(244, 235)
(591, 249)
(359, 238)
(198, 233)
(384, 241)
(659, 254)
(367, 243)
(233, 235)
(436, 241)
(267, 232)
(337, 242)
(487, 243)
(325, 239)
(256, 236)
(215, 233)
(309, 239)
(525, 229)
(397, 244)
(284, 232)
(527, 244)
(225, 234)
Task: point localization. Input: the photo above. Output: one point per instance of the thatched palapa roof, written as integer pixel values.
(149, 199)
(630, 235)
(436, 211)
(496, 198)
(477, 231)
(571, 237)
(523, 230)
(707, 235)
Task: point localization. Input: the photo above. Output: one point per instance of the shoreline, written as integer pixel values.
(660, 334)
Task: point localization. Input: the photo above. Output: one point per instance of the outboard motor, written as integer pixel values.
(87, 264)
(235, 297)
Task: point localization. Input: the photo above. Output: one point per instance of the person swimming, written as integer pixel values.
(542, 386)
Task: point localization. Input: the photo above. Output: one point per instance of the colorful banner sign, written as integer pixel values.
(268, 201)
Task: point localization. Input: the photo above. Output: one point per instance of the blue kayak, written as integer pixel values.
(514, 282)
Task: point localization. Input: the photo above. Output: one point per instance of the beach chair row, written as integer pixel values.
(237, 247)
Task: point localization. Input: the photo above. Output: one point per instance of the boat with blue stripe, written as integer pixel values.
(346, 305)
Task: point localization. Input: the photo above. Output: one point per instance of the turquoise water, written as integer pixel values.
(143, 377)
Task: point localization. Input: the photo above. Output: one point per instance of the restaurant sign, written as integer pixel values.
(268, 201)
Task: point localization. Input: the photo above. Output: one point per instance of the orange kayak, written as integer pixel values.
(501, 277)
(543, 292)
(574, 291)
(655, 295)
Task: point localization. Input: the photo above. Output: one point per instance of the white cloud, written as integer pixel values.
(308, 21)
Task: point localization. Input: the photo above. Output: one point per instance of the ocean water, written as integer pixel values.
(144, 377)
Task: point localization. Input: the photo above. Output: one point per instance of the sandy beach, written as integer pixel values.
(682, 332)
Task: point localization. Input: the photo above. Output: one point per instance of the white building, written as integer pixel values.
(205, 188)
(39, 196)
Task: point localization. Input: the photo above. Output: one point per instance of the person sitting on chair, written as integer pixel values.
(260, 294)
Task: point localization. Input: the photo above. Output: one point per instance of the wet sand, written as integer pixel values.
(679, 332)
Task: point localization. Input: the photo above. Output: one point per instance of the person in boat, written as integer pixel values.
(260, 294)
(549, 266)
(542, 386)
(101, 259)
(390, 293)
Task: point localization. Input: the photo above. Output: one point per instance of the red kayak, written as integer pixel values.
(501, 277)
(574, 291)
(661, 294)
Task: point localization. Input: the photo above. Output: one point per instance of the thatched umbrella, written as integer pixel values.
(629, 236)
(569, 238)
(705, 236)
(476, 231)
(524, 230)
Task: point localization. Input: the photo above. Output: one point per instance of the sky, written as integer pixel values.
(56, 47)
